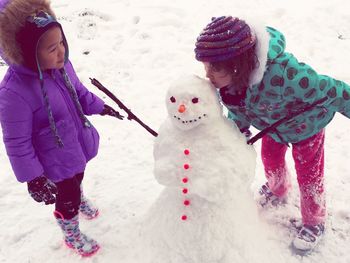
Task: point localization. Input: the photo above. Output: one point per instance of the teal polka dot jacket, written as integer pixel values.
(287, 86)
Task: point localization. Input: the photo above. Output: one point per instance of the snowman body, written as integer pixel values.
(205, 213)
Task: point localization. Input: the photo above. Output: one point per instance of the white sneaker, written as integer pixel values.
(266, 197)
(308, 238)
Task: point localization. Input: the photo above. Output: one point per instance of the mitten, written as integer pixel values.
(42, 190)
(108, 110)
(247, 133)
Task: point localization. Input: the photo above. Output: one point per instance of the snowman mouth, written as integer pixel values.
(199, 118)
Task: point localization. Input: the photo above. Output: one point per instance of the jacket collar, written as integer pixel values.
(261, 50)
(28, 72)
(271, 43)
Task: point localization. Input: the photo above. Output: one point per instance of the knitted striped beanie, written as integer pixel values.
(224, 38)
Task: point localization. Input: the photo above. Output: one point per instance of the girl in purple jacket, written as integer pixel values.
(43, 104)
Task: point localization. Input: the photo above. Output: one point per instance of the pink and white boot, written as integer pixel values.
(74, 239)
(87, 210)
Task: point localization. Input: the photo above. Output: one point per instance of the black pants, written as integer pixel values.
(68, 196)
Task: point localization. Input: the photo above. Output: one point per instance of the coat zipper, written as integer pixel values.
(72, 111)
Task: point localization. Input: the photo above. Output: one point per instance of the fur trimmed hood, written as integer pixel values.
(13, 14)
(262, 48)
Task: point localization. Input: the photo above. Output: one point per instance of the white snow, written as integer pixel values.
(137, 48)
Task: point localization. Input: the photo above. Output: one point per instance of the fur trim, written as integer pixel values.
(12, 19)
(261, 49)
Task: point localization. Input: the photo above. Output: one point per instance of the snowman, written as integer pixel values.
(205, 213)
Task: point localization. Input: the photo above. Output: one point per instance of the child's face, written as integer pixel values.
(220, 78)
(51, 49)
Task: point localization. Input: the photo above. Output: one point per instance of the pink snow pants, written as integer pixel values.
(308, 157)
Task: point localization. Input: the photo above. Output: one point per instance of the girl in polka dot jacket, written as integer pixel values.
(261, 84)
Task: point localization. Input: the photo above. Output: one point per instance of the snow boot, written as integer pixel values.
(73, 238)
(308, 238)
(87, 210)
(266, 197)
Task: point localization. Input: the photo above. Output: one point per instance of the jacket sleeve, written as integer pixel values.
(16, 122)
(311, 87)
(338, 94)
(242, 123)
(90, 103)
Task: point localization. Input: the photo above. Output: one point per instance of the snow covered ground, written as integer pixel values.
(136, 48)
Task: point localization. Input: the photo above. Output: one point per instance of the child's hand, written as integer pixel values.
(247, 133)
(42, 190)
(108, 110)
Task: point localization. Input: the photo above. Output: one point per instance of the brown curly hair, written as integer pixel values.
(240, 67)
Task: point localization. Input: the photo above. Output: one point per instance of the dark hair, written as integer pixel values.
(240, 67)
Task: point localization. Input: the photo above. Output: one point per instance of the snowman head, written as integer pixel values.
(192, 101)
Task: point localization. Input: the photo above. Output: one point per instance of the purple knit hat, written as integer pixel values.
(224, 38)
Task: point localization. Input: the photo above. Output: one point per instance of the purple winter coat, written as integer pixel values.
(29, 141)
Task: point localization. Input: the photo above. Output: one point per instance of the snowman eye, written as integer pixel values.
(172, 99)
(195, 100)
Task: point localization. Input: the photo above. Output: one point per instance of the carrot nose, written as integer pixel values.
(181, 108)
